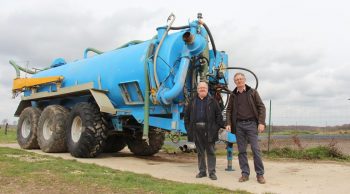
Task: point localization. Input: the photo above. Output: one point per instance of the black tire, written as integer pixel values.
(114, 143)
(27, 128)
(139, 147)
(52, 129)
(86, 131)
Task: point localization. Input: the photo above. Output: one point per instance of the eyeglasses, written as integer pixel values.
(238, 79)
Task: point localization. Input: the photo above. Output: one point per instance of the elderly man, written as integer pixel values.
(245, 117)
(203, 120)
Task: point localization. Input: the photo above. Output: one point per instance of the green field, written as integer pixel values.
(10, 137)
(314, 153)
(24, 172)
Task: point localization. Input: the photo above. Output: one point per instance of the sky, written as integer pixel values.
(299, 49)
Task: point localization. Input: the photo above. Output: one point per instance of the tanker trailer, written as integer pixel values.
(129, 96)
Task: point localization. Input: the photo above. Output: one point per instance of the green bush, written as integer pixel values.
(316, 153)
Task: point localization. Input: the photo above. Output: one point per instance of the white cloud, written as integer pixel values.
(298, 49)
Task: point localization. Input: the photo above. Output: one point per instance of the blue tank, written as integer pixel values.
(122, 70)
(139, 85)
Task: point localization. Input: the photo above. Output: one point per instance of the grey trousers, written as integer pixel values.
(248, 131)
(205, 148)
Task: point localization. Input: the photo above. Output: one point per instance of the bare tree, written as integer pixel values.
(4, 121)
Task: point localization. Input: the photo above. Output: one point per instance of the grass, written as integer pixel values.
(174, 137)
(292, 132)
(29, 172)
(329, 152)
(307, 132)
(315, 153)
(223, 152)
(170, 149)
(10, 137)
(323, 152)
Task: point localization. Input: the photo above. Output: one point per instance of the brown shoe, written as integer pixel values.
(243, 178)
(260, 179)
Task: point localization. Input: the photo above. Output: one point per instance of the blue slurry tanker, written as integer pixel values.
(129, 96)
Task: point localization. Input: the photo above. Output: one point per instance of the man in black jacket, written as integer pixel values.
(203, 120)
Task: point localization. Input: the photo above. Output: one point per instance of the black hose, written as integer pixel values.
(206, 28)
(211, 38)
(227, 96)
(179, 27)
(226, 90)
(241, 68)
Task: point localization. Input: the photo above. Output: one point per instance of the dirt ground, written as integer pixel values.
(281, 176)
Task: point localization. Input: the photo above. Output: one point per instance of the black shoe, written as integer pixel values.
(201, 175)
(213, 177)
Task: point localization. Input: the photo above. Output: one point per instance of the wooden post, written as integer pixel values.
(269, 137)
(6, 128)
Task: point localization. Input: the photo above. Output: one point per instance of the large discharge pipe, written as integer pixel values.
(195, 44)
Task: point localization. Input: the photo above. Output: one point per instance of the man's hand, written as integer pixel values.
(261, 128)
(228, 128)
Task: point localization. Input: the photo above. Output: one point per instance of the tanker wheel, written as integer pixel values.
(27, 128)
(114, 143)
(52, 129)
(86, 131)
(140, 147)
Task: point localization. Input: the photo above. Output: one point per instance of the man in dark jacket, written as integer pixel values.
(203, 120)
(245, 117)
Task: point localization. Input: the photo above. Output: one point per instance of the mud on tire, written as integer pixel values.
(114, 143)
(27, 128)
(86, 131)
(139, 147)
(52, 129)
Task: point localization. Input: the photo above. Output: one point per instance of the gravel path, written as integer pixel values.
(281, 176)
